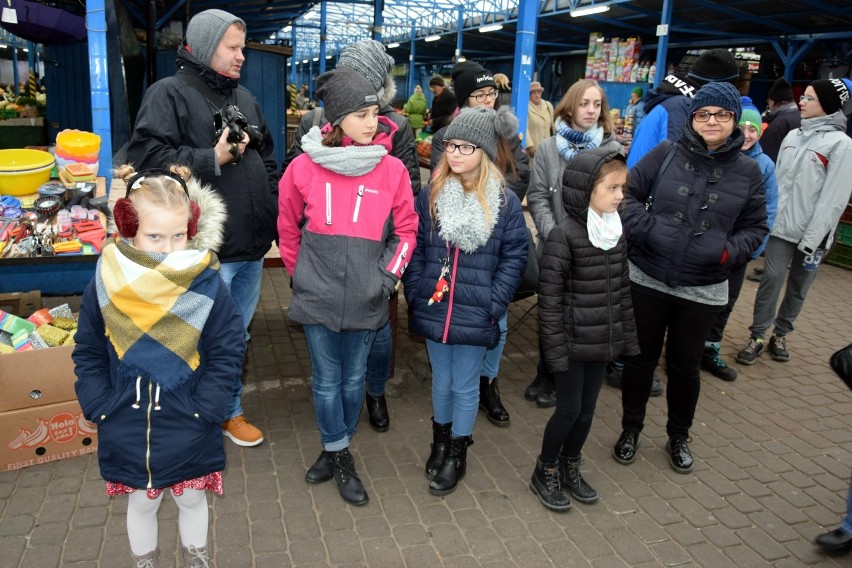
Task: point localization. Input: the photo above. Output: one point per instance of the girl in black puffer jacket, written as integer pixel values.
(585, 316)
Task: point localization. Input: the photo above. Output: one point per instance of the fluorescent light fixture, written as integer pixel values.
(288, 29)
(304, 60)
(289, 64)
(310, 15)
(461, 59)
(490, 28)
(393, 45)
(3, 46)
(272, 36)
(432, 38)
(315, 59)
(328, 56)
(589, 10)
(26, 49)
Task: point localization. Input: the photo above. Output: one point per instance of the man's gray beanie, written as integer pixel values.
(205, 31)
(344, 91)
(368, 58)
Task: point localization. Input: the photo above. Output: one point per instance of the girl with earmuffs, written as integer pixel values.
(159, 346)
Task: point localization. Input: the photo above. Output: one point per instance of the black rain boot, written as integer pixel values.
(489, 401)
(453, 469)
(440, 447)
(348, 482)
(573, 480)
(547, 396)
(546, 485)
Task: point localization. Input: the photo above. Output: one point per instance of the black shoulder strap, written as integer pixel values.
(195, 82)
(649, 203)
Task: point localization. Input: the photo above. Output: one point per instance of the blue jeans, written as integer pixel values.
(378, 363)
(455, 384)
(338, 363)
(243, 281)
(491, 361)
(846, 525)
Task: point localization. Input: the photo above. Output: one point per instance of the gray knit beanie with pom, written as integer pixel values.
(368, 58)
(481, 126)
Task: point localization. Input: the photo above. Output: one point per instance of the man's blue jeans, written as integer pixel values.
(378, 364)
(491, 361)
(455, 384)
(338, 363)
(243, 280)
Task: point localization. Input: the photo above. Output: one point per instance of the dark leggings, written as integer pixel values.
(576, 397)
(687, 324)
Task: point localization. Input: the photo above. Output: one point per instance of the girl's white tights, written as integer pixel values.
(142, 520)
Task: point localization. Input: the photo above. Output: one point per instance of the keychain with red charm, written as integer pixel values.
(443, 284)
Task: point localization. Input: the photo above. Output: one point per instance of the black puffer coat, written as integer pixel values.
(585, 310)
(706, 204)
(175, 126)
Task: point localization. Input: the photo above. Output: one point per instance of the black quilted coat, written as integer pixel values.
(585, 310)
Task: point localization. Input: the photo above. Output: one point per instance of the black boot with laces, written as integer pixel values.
(546, 485)
(573, 482)
(348, 482)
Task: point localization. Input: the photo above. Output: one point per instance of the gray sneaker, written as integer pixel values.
(778, 348)
(750, 352)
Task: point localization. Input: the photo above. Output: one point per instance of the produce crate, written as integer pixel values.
(844, 233)
(841, 255)
(9, 113)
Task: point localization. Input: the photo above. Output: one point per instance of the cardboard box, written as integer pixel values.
(43, 434)
(36, 378)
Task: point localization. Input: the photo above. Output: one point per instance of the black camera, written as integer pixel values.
(231, 117)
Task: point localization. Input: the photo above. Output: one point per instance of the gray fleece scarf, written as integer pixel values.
(350, 161)
(462, 218)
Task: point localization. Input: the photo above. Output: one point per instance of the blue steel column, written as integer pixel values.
(459, 36)
(663, 42)
(293, 76)
(323, 37)
(522, 73)
(15, 77)
(411, 59)
(99, 77)
(378, 19)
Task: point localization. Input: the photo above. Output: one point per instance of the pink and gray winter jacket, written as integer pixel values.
(345, 241)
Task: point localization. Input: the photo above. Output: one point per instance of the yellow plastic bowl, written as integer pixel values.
(23, 171)
(78, 142)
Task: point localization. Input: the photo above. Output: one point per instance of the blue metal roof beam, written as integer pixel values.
(742, 15)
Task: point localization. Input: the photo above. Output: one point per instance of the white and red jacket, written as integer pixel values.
(344, 240)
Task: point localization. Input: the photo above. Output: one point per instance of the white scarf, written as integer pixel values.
(604, 230)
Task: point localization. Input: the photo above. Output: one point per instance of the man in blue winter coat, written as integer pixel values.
(667, 106)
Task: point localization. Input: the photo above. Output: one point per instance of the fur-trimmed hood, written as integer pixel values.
(387, 92)
(211, 223)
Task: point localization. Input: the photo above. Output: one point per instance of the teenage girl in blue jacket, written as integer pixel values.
(471, 251)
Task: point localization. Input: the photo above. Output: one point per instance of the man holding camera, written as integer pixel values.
(195, 118)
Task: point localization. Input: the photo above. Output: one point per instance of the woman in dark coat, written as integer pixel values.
(686, 227)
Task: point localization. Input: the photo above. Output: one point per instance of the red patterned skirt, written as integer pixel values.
(210, 482)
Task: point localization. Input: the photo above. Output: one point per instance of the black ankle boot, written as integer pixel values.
(440, 447)
(547, 396)
(532, 391)
(322, 470)
(489, 401)
(573, 482)
(546, 485)
(377, 410)
(453, 469)
(348, 482)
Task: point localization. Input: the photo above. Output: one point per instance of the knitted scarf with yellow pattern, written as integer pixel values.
(155, 306)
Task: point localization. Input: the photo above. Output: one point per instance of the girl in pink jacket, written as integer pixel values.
(347, 228)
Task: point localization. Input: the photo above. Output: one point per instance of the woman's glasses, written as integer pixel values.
(464, 149)
(807, 99)
(720, 116)
(482, 97)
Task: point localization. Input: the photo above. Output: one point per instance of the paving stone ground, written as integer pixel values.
(773, 458)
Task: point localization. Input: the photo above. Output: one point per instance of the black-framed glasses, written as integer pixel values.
(482, 97)
(464, 149)
(720, 115)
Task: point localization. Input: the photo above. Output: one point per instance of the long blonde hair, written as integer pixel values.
(487, 170)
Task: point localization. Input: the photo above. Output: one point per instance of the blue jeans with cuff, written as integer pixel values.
(455, 384)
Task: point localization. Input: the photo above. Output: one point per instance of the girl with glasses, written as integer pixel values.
(476, 87)
(471, 251)
(695, 211)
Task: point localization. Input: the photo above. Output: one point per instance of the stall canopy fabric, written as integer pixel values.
(42, 24)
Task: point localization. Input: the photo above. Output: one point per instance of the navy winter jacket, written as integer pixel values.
(706, 204)
(184, 436)
(483, 282)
